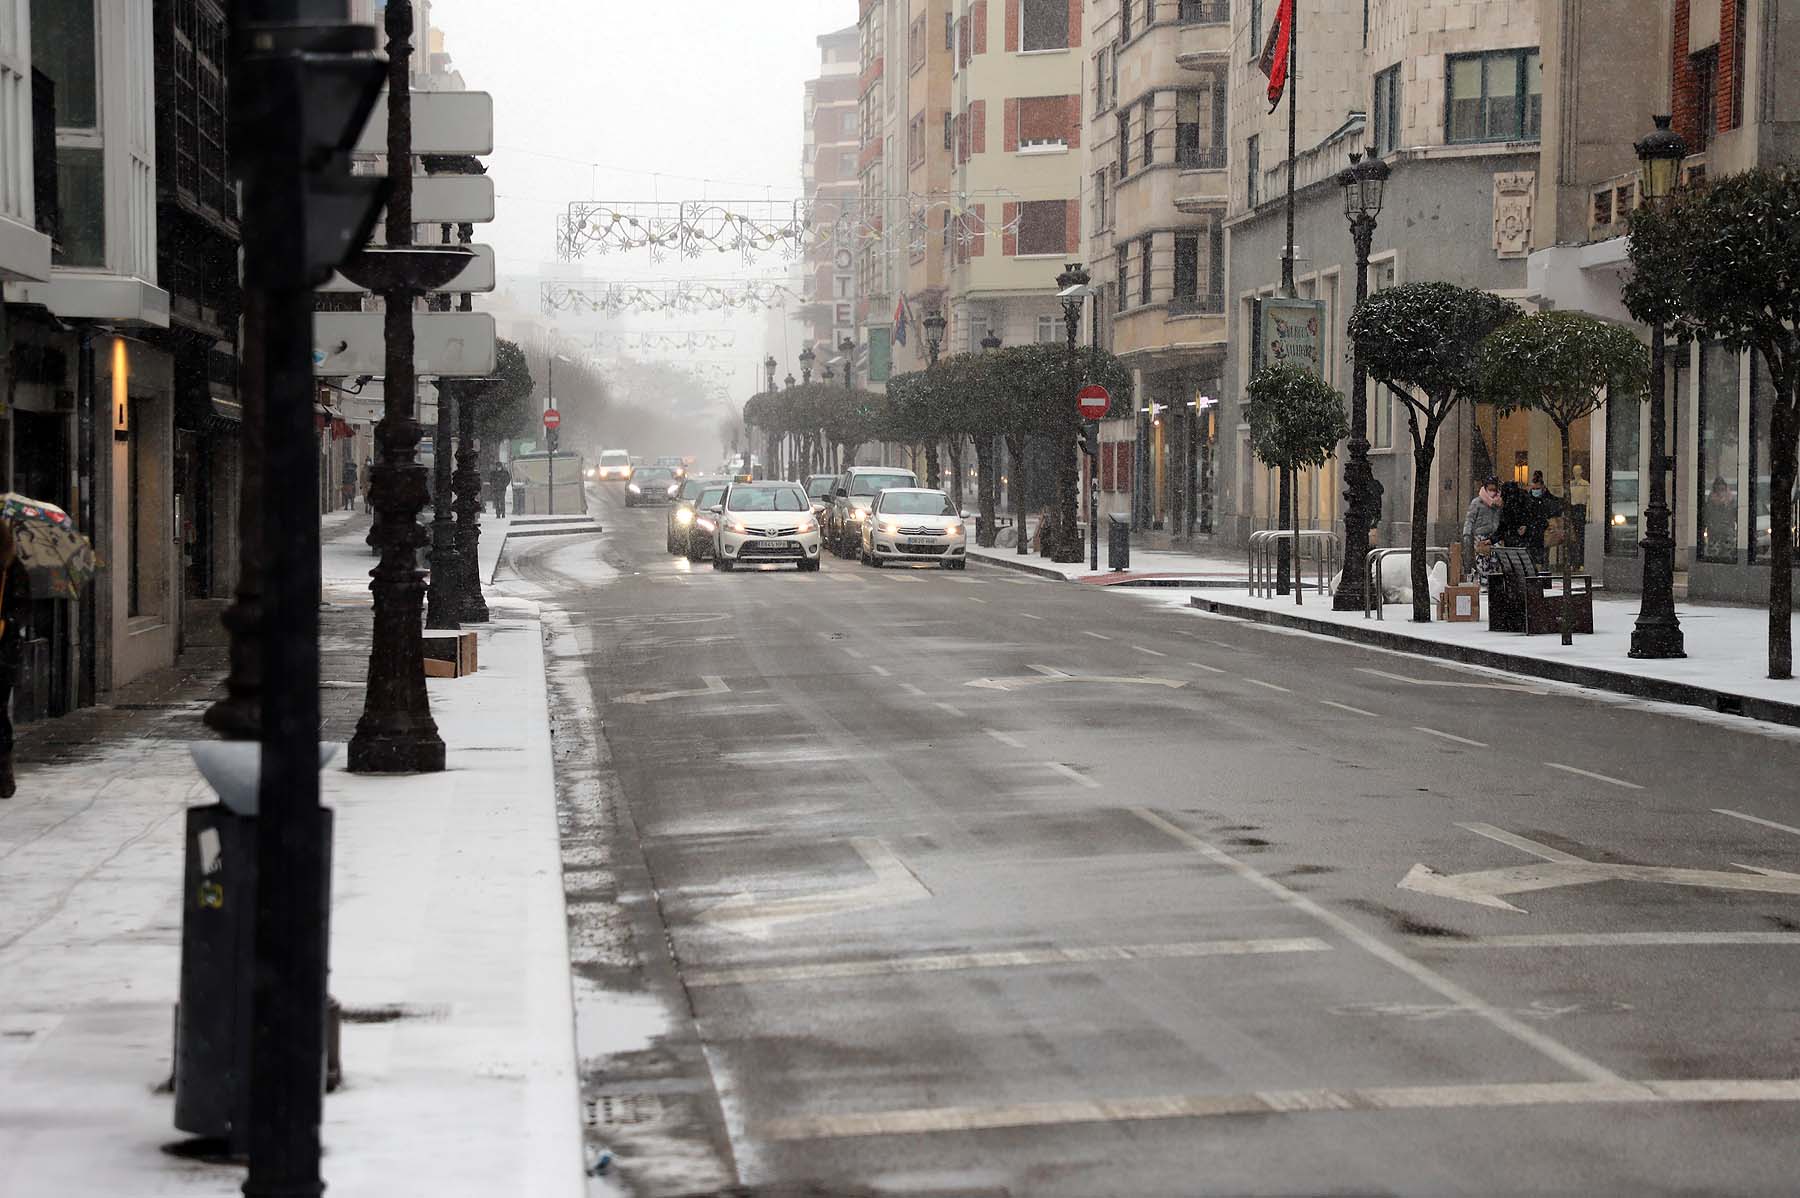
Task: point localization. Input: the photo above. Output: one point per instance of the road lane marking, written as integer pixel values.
(1451, 736)
(1049, 671)
(1198, 665)
(1012, 742)
(1767, 823)
(1095, 635)
(1485, 887)
(1031, 680)
(795, 756)
(1029, 616)
(1613, 940)
(856, 653)
(958, 712)
(1023, 959)
(1151, 652)
(962, 1119)
(910, 689)
(976, 599)
(879, 670)
(714, 686)
(1426, 976)
(1268, 685)
(893, 885)
(1226, 645)
(1350, 709)
(1073, 775)
(1610, 781)
(1477, 686)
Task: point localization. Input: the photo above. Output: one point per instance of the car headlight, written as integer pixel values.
(633, 487)
(737, 526)
(890, 527)
(673, 489)
(955, 530)
(858, 514)
(808, 525)
(684, 517)
(705, 522)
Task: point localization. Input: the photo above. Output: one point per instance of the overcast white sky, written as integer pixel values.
(622, 100)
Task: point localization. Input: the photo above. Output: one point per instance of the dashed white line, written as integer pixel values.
(880, 670)
(976, 599)
(856, 653)
(1200, 665)
(1268, 685)
(1151, 652)
(1097, 636)
(1767, 823)
(1615, 940)
(1348, 708)
(1009, 741)
(1450, 736)
(1606, 778)
(1029, 616)
(1072, 775)
(958, 712)
(910, 689)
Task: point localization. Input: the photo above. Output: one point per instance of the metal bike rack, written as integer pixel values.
(1372, 589)
(1319, 544)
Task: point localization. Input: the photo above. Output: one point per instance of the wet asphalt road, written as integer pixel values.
(970, 883)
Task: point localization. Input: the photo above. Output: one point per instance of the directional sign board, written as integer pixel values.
(478, 275)
(442, 123)
(1093, 401)
(447, 344)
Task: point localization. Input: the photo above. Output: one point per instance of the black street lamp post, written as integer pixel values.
(444, 601)
(467, 482)
(1363, 183)
(1658, 632)
(934, 324)
(769, 365)
(807, 358)
(1072, 289)
(847, 347)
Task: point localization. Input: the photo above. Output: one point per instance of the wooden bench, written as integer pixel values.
(1519, 598)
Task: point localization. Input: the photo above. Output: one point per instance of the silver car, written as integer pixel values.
(765, 522)
(914, 524)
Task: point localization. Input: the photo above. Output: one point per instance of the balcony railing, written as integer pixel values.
(1200, 158)
(1203, 12)
(1206, 303)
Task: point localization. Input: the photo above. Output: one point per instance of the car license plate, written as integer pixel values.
(767, 544)
(920, 541)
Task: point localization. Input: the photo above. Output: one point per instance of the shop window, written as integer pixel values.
(1762, 404)
(1624, 490)
(1718, 454)
(1495, 96)
(1044, 25)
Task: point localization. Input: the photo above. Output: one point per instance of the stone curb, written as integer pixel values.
(1658, 689)
(1024, 567)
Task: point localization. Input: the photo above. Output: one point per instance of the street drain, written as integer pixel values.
(616, 1110)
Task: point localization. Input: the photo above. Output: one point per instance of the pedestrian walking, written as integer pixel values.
(15, 613)
(499, 479)
(1542, 508)
(1481, 526)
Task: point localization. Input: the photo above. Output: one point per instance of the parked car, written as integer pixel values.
(914, 524)
(651, 484)
(681, 515)
(614, 466)
(704, 530)
(765, 522)
(850, 499)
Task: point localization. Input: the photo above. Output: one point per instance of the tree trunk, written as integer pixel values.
(934, 474)
(1423, 453)
(1784, 448)
(1284, 559)
(984, 491)
(1015, 446)
(955, 447)
(1068, 502)
(1567, 621)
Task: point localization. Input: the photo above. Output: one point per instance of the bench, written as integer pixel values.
(1519, 598)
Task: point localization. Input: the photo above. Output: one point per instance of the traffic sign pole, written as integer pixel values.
(552, 422)
(1092, 403)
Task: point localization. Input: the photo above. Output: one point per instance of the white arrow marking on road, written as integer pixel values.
(714, 686)
(1484, 887)
(894, 884)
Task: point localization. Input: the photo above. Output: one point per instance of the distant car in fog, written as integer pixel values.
(650, 485)
(614, 466)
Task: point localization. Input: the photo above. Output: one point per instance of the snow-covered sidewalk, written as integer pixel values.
(449, 952)
(1725, 670)
(1193, 569)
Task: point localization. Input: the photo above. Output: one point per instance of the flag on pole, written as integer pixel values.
(901, 316)
(1276, 52)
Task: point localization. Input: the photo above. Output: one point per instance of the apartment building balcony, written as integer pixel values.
(28, 152)
(1171, 331)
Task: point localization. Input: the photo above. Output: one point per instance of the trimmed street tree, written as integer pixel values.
(1296, 420)
(1717, 262)
(504, 409)
(1422, 342)
(1567, 366)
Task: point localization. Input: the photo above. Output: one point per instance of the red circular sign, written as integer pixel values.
(552, 418)
(1093, 401)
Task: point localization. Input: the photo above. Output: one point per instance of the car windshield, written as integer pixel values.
(819, 488)
(614, 457)
(869, 484)
(692, 488)
(917, 503)
(710, 497)
(767, 499)
(652, 474)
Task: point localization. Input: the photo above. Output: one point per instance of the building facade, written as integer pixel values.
(1716, 66)
(1157, 152)
(832, 174)
(1448, 94)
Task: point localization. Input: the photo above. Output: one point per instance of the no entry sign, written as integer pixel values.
(1092, 401)
(552, 418)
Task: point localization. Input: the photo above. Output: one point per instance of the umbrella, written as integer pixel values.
(58, 560)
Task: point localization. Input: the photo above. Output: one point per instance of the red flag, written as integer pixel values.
(1276, 52)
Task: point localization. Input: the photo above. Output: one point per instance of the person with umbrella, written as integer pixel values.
(15, 611)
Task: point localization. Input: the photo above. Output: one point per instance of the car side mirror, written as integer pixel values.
(841, 493)
(717, 509)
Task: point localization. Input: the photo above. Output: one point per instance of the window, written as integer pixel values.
(846, 165)
(1706, 98)
(1762, 402)
(1257, 32)
(978, 331)
(1739, 67)
(1716, 473)
(1125, 20)
(949, 31)
(1149, 119)
(81, 200)
(949, 131)
(1196, 130)
(134, 484)
(1124, 272)
(850, 124)
(1100, 74)
(1124, 143)
(1252, 169)
(1387, 112)
(915, 46)
(1044, 25)
(1044, 122)
(64, 45)
(1187, 271)
(1049, 329)
(1043, 227)
(1496, 96)
(1144, 271)
(1101, 215)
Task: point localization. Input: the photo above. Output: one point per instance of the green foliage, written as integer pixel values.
(1296, 418)
(1563, 364)
(504, 410)
(1424, 339)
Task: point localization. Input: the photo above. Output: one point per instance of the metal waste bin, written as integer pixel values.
(1118, 541)
(212, 1022)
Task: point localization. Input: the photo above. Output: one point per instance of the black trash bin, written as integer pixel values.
(1118, 541)
(212, 1022)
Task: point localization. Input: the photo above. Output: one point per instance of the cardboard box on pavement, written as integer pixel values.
(448, 654)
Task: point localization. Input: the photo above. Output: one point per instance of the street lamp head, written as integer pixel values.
(790, 379)
(1373, 174)
(1347, 180)
(829, 373)
(934, 327)
(1072, 277)
(1659, 160)
(807, 356)
(847, 345)
(769, 363)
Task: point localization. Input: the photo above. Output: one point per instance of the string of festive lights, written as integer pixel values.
(690, 341)
(669, 297)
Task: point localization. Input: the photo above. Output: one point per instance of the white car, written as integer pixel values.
(914, 524)
(614, 466)
(765, 522)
